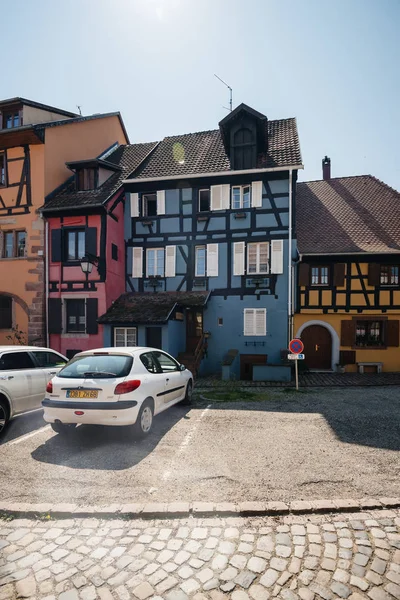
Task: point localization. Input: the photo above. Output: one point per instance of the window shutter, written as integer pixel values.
(392, 333)
(277, 256)
(170, 261)
(225, 196)
(91, 240)
(374, 274)
(134, 205)
(161, 202)
(56, 245)
(347, 333)
(260, 321)
(137, 262)
(92, 326)
(304, 274)
(212, 260)
(238, 258)
(216, 197)
(249, 321)
(256, 194)
(54, 315)
(338, 274)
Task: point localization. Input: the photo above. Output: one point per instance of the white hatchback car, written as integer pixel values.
(116, 386)
(24, 374)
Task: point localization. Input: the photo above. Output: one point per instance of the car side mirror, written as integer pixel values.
(182, 367)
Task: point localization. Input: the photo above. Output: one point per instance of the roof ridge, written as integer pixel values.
(342, 177)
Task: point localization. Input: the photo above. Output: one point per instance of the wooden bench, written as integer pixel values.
(361, 366)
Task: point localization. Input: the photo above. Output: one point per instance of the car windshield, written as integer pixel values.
(95, 366)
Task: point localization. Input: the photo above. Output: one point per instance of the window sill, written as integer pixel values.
(241, 215)
(69, 336)
(321, 286)
(147, 222)
(203, 217)
(369, 347)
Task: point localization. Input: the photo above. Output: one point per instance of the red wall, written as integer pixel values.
(106, 292)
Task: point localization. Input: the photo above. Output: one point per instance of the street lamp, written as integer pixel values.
(87, 263)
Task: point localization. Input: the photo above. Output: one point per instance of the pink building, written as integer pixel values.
(86, 247)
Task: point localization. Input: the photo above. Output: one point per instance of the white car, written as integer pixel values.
(24, 374)
(116, 386)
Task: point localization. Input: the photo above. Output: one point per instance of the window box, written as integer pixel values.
(240, 215)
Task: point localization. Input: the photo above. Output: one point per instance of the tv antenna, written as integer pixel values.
(230, 92)
(79, 108)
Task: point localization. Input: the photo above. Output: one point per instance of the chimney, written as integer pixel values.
(326, 168)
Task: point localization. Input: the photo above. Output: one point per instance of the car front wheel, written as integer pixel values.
(189, 393)
(144, 421)
(3, 415)
(63, 428)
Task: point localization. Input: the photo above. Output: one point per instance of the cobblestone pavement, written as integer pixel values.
(352, 556)
(328, 379)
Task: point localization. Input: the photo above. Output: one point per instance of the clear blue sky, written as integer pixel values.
(334, 65)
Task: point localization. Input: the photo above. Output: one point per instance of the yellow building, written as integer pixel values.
(348, 288)
(36, 141)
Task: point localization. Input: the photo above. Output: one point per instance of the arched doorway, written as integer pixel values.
(317, 347)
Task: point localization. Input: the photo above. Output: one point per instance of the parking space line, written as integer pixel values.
(25, 437)
(187, 439)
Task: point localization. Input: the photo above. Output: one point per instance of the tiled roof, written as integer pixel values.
(348, 215)
(139, 308)
(128, 157)
(204, 152)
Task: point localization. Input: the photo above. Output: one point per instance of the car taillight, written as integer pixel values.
(49, 388)
(127, 386)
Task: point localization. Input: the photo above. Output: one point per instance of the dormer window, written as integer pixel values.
(11, 116)
(244, 149)
(86, 179)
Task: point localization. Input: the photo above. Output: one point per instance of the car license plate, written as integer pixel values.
(82, 393)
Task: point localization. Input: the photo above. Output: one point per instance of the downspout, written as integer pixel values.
(46, 279)
(290, 259)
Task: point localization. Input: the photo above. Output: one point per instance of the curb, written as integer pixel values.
(196, 509)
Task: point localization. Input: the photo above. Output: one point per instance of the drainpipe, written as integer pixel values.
(46, 279)
(290, 259)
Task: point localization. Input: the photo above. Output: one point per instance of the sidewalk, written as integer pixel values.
(341, 555)
(310, 380)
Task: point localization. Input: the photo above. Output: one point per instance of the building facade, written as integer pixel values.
(348, 293)
(209, 244)
(86, 264)
(36, 141)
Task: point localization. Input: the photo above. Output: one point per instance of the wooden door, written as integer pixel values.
(317, 347)
(194, 328)
(154, 337)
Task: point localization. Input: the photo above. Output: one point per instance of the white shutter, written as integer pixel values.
(238, 258)
(248, 321)
(260, 321)
(277, 256)
(170, 260)
(256, 194)
(225, 196)
(134, 205)
(137, 262)
(212, 260)
(161, 202)
(216, 197)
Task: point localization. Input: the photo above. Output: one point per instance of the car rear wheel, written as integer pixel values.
(63, 428)
(3, 415)
(189, 393)
(144, 421)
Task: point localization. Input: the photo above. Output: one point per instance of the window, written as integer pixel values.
(257, 258)
(21, 243)
(389, 275)
(155, 262)
(200, 268)
(149, 205)
(12, 361)
(75, 244)
(241, 196)
(8, 244)
(220, 321)
(204, 200)
(100, 366)
(75, 316)
(5, 312)
(125, 336)
(244, 149)
(167, 364)
(369, 333)
(87, 179)
(114, 252)
(150, 363)
(11, 120)
(14, 244)
(48, 359)
(3, 170)
(320, 275)
(255, 321)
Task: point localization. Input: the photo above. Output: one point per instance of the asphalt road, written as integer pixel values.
(319, 444)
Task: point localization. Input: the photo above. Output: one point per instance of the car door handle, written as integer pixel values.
(53, 373)
(167, 379)
(5, 377)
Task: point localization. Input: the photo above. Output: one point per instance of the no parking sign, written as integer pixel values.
(296, 346)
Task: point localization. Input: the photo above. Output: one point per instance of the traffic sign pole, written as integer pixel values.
(296, 369)
(296, 346)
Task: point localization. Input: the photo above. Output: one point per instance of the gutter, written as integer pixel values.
(364, 252)
(290, 258)
(213, 174)
(46, 308)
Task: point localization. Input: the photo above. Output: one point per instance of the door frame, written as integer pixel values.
(334, 337)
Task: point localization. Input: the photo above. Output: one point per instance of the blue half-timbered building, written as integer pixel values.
(209, 244)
